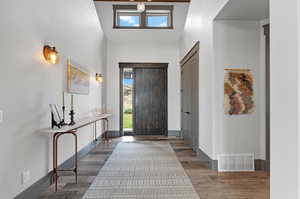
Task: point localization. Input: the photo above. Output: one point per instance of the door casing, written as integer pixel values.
(267, 57)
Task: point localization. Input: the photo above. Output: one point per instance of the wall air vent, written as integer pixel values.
(236, 162)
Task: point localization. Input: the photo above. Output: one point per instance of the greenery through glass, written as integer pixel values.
(127, 119)
(127, 100)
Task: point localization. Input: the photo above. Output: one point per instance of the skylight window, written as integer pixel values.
(154, 17)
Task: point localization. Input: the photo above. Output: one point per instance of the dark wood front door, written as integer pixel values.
(150, 101)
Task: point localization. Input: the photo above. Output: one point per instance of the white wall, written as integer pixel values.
(285, 141)
(237, 45)
(143, 52)
(298, 96)
(105, 12)
(28, 84)
(227, 44)
(199, 27)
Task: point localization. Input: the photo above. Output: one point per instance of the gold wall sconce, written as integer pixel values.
(99, 77)
(51, 55)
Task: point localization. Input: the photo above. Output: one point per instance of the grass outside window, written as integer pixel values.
(127, 120)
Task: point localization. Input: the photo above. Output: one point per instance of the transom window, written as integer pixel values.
(158, 18)
(127, 18)
(154, 17)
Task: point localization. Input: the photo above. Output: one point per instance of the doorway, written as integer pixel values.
(143, 99)
(190, 97)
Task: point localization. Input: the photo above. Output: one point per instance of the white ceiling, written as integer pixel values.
(245, 10)
(105, 13)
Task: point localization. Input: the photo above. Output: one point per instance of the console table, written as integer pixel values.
(72, 130)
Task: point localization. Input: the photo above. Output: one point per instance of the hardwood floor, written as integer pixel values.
(209, 184)
(213, 185)
(88, 168)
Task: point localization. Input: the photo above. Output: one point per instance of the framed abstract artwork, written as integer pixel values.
(238, 92)
(78, 79)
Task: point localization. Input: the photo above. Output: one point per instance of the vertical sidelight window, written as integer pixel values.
(128, 82)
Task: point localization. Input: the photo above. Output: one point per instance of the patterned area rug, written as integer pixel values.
(142, 170)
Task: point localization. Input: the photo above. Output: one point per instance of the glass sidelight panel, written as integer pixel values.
(128, 82)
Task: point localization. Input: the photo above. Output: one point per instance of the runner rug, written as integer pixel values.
(142, 170)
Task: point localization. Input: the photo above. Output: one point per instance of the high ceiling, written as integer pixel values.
(245, 10)
(105, 13)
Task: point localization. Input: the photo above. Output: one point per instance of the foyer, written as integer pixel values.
(153, 99)
(208, 184)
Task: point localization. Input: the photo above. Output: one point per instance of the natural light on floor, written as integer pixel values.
(127, 139)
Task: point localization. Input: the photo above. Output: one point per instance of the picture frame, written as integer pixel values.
(238, 91)
(78, 79)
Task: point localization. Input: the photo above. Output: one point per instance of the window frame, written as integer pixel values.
(119, 14)
(153, 14)
(143, 15)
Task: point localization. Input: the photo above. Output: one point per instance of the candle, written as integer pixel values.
(63, 98)
(72, 105)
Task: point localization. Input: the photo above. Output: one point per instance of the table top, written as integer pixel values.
(80, 123)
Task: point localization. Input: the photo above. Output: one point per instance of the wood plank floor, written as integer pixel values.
(209, 184)
(213, 185)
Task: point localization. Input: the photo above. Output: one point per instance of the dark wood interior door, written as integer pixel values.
(186, 106)
(150, 101)
(190, 98)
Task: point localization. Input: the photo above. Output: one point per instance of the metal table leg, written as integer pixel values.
(106, 129)
(55, 157)
(105, 133)
(95, 126)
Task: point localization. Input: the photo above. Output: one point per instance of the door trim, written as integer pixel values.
(195, 49)
(142, 65)
(267, 65)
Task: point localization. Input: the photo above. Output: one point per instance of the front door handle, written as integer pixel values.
(187, 113)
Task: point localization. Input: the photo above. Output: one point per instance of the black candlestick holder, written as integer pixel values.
(62, 122)
(72, 122)
(54, 123)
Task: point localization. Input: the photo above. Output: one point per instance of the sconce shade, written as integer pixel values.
(51, 55)
(99, 78)
(141, 6)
